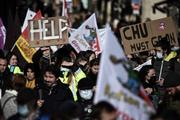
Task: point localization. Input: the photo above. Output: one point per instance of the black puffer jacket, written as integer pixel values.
(53, 97)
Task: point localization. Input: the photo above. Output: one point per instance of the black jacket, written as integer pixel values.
(5, 81)
(53, 97)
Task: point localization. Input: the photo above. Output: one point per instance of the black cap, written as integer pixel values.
(172, 79)
(85, 83)
(164, 43)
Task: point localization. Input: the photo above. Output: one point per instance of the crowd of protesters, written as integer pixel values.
(61, 85)
(57, 85)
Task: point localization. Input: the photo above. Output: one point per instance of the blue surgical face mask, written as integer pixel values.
(23, 110)
(159, 55)
(86, 94)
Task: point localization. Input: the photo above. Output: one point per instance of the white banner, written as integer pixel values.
(118, 84)
(86, 37)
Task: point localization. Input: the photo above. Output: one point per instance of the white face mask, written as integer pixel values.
(86, 94)
(64, 69)
(23, 110)
(159, 54)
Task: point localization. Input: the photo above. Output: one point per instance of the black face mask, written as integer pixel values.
(152, 80)
(83, 67)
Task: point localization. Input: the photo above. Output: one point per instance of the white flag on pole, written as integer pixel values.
(118, 84)
(86, 37)
(101, 35)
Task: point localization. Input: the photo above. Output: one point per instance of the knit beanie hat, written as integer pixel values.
(85, 83)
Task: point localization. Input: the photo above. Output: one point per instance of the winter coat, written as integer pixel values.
(8, 103)
(53, 97)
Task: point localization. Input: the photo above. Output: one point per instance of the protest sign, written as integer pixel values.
(144, 36)
(48, 31)
(26, 51)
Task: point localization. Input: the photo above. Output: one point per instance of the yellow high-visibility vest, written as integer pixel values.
(77, 76)
(171, 55)
(15, 69)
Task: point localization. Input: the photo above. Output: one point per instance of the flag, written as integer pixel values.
(86, 37)
(64, 9)
(30, 15)
(101, 36)
(118, 84)
(65, 12)
(2, 35)
(26, 51)
(23, 46)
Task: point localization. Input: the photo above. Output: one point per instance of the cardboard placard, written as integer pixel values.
(48, 31)
(144, 36)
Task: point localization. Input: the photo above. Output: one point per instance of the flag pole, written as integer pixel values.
(13, 47)
(161, 68)
(50, 61)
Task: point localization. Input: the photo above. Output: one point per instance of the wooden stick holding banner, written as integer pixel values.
(13, 47)
(161, 68)
(50, 61)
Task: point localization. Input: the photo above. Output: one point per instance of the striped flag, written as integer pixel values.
(30, 15)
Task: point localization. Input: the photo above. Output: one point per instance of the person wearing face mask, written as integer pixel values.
(149, 81)
(165, 57)
(27, 108)
(85, 96)
(8, 101)
(163, 50)
(70, 75)
(159, 54)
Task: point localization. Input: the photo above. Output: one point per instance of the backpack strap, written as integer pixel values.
(9, 98)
